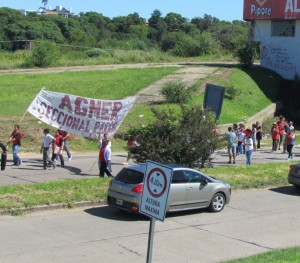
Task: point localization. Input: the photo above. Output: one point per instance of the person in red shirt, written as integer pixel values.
(275, 136)
(58, 147)
(281, 126)
(66, 136)
(131, 146)
(105, 159)
(15, 139)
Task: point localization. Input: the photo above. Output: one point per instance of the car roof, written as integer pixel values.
(142, 167)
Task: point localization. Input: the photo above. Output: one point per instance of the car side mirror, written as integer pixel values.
(204, 182)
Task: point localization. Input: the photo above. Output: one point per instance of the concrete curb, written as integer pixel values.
(52, 207)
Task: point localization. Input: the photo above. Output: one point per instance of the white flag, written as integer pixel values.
(80, 115)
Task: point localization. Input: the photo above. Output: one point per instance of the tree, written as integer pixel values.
(184, 138)
(45, 2)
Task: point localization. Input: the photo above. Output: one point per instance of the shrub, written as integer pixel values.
(97, 52)
(177, 92)
(44, 54)
(185, 139)
(232, 92)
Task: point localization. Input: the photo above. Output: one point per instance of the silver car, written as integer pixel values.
(190, 189)
(294, 175)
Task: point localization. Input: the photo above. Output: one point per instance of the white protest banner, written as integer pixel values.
(80, 115)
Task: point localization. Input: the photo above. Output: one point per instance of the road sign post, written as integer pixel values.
(157, 180)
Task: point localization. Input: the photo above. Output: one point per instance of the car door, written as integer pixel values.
(177, 193)
(198, 190)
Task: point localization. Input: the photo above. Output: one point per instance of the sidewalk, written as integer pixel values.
(83, 167)
(264, 155)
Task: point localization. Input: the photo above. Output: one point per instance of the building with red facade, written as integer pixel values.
(275, 24)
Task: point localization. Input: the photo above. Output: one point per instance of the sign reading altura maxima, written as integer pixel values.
(271, 9)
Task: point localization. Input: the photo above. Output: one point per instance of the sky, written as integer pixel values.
(227, 10)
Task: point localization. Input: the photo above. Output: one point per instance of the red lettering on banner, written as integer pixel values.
(106, 105)
(95, 109)
(60, 114)
(66, 102)
(49, 108)
(41, 110)
(117, 107)
(53, 114)
(79, 110)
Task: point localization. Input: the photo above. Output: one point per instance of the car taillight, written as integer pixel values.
(137, 189)
(110, 183)
(290, 169)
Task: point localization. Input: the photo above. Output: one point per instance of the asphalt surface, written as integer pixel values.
(86, 166)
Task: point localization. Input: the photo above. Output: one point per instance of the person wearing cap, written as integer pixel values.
(275, 136)
(48, 141)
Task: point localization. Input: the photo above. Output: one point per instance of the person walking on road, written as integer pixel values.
(281, 127)
(231, 145)
(248, 146)
(48, 141)
(15, 139)
(275, 136)
(66, 136)
(290, 142)
(258, 134)
(58, 150)
(105, 159)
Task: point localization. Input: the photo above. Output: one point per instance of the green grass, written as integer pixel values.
(66, 192)
(252, 176)
(286, 255)
(18, 90)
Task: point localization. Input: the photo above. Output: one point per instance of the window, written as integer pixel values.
(178, 177)
(283, 28)
(193, 177)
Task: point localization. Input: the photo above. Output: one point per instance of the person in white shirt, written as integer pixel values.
(47, 143)
(248, 147)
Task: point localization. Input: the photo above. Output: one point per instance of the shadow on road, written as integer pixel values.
(287, 190)
(114, 214)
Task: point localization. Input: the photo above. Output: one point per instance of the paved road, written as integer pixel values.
(81, 167)
(255, 221)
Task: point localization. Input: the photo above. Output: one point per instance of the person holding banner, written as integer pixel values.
(15, 139)
(66, 136)
(47, 142)
(58, 150)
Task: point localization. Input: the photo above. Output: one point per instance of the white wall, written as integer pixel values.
(280, 54)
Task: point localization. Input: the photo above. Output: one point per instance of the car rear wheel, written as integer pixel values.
(217, 203)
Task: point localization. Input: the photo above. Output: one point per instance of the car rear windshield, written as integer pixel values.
(130, 176)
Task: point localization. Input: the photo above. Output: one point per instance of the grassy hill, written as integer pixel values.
(257, 89)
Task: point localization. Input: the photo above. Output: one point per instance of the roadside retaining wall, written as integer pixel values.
(260, 116)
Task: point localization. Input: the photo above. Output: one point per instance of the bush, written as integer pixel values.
(97, 52)
(44, 54)
(232, 92)
(186, 139)
(177, 92)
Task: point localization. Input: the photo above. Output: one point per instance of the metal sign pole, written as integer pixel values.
(150, 240)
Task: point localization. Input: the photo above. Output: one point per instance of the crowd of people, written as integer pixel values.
(57, 143)
(246, 141)
(240, 141)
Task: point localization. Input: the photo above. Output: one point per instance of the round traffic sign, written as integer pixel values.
(156, 182)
